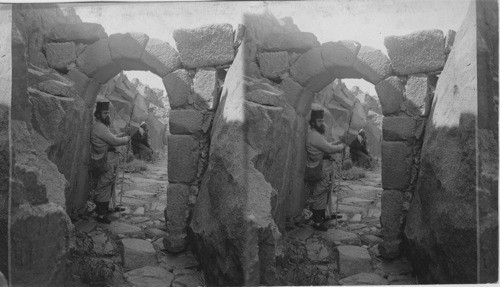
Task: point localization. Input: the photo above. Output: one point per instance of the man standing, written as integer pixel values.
(359, 153)
(318, 180)
(104, 159)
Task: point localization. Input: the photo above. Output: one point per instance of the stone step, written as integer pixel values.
(138, 253)
(336, 236)
(353, 260)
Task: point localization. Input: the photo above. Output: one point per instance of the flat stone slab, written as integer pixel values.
(335, 235)
(139, 211)
(301, 233)
(364, 279)
(356, 226)
(85, 225)
(149, 276)
(187, 280)
(353, 260)
(138, 253)
(356, 200)
(138, 194)
(118, 228)
(139, 219)
(181, 261)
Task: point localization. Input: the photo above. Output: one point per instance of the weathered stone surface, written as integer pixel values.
(102, 244)
(293, 41)
(442, 216)
(292, 90)
(160, 57)
(396, 165)
(60, 55)
(183, 159)
(364, 279)
(391, 218)
(448, 41)
(140, 112)
(273, 65)
(370, 240)
(149, 276)
(372, 64)
(155, 233)
(80, 32)
(35, 55)
(353, 260)
(209, 45)
(390, 93)
(391, 249)
(337, 235)
(177, 210)
(339, 58)
(417, 95)
(57, 88)
(205, 88)
(398, 128)
(178, 87)
(118, 228)
(418, 52)
(39, 260)
(244, 192)
(126, 50)
(187, 280)
(96, 62)
(175, 243)
(138, 253)
(264, 97)
(301, 233)
(316, 251)
(80, 79)
(310, 72)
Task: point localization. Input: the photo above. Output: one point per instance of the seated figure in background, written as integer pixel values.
(359, 153)
(140, 143)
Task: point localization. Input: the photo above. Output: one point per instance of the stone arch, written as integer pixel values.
(192, 86)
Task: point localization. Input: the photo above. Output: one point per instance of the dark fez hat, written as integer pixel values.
(102, 106)
(317, 114)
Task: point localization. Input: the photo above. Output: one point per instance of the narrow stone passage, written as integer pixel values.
(129, 251)
(346, 254)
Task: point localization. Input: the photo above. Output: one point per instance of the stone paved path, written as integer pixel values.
(130, 250)
(346, 254)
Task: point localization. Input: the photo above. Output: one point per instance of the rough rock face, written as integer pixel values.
(241, 201)
(441, 224)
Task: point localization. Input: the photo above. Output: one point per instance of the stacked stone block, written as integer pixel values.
(406, 100)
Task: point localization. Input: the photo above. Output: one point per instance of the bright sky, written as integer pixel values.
(366, 21)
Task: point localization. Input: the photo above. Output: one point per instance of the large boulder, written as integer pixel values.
(160, 57)
(210, 45)
(242, 199)
(441, 224)
(418, 52)
(78, 32)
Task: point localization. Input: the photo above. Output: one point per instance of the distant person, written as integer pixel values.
(359, 153)
(318, 180)
(140, 143)
(104, 159)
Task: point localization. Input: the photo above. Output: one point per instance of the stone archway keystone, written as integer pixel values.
(126, 50)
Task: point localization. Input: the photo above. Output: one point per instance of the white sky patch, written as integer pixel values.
(365, 21)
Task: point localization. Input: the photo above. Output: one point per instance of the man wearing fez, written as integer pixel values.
(104, 159)
(318, 180)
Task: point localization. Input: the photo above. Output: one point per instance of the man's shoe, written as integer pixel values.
(117, 209)
(103, 219)
(335, 216)
(320, 227)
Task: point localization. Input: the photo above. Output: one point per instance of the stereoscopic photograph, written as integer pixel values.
(249, 143)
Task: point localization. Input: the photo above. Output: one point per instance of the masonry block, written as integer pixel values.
(391, 217)
(178, 86)
(184, 122)
(60, 55)
(418, 52)
(177, 211)
(292, 90)
(398, 128)
(396, 165)
(390, 93)
(182, 159)
(417, 94)
(274, 64)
